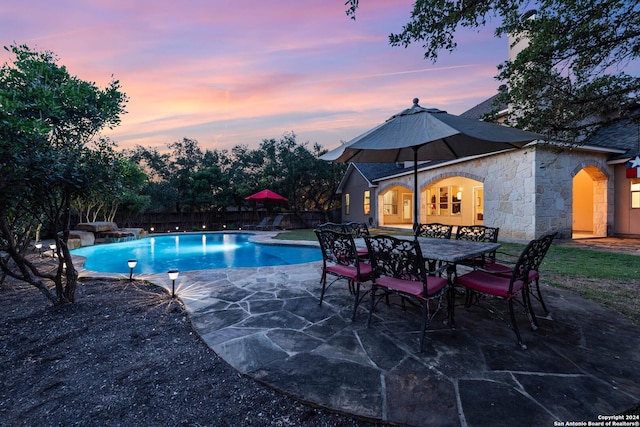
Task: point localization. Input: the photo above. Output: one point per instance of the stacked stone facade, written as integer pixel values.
(528, 192)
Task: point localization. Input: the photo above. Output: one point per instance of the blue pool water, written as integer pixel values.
(186, 252)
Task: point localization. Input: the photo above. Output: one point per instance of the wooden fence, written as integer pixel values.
(215, 221)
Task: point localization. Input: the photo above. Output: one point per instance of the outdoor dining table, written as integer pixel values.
(449, 251)
(446, 250)
(452, 251)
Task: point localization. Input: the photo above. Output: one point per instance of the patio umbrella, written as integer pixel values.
(420, 134)
(266, 196)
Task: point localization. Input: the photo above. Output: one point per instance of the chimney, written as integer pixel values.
(515, 45)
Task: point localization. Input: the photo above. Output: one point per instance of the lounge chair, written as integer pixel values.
(260, 226)
(276, 223)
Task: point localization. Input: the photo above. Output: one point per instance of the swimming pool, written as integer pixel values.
(186, 252)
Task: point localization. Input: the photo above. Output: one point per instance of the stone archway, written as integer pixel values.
(395, 207)
(589, 204)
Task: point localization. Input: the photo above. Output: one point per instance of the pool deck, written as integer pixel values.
(580, 365)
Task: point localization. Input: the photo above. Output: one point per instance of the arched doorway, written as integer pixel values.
(589, 204)
(454, 200)
(395, 207)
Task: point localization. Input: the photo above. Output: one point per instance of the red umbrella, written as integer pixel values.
(265, 196)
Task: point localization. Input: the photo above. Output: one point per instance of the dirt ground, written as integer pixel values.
(125, 355)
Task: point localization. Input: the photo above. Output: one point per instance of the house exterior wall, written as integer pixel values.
(528, 192)
(627, 219)
(509, 190)
(355, 187)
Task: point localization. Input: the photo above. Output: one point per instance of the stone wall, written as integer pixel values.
(554, 189)
(89, 233)
(528, 192)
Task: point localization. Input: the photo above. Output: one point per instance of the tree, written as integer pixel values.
(116, 181)
(195, 180)
(570, 78)
(47, 120)
(290, 169)
(186, 179)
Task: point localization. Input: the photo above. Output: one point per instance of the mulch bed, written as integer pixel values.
(126, 354)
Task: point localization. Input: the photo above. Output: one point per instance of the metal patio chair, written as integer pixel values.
(433, 230)
(478, 233)
(504, 269)
(479, 283)
(358, 230)
(340, 259)
(399, 268)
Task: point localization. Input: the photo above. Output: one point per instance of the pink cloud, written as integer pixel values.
(226, 73)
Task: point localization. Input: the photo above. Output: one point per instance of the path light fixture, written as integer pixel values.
(52, 246)
(39, 248)
(132, 264)
(173, 275)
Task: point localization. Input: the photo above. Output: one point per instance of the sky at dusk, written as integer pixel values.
(227, 72)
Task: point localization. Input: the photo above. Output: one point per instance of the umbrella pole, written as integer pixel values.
(416, 195)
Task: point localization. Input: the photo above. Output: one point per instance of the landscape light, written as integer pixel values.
(132, 264)
(173, 275)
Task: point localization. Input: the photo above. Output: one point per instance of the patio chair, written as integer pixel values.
(276, 223)
(480, 284)
(398, 268)
(333, 226)
(340, 259)
(358, 230)
(433, 230)
(478, 233)
(503, 269)
(260, 226)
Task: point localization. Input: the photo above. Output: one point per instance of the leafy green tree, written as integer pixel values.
(116, 181)
(290, 169)
(47, 120)
(184, 179)
(205, 188)
(569, 79)
(191, 179)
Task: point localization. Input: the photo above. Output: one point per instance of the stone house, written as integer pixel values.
(579, 191)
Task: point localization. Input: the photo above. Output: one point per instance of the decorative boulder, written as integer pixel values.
(86, 238)
(97, 227)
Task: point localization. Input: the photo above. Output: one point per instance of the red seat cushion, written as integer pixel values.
(363, 253)
(412, 287)
(350, 271)
(489, 283)
(501, 269)
(506, 271)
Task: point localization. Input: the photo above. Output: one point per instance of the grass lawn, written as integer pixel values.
(608, 278)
